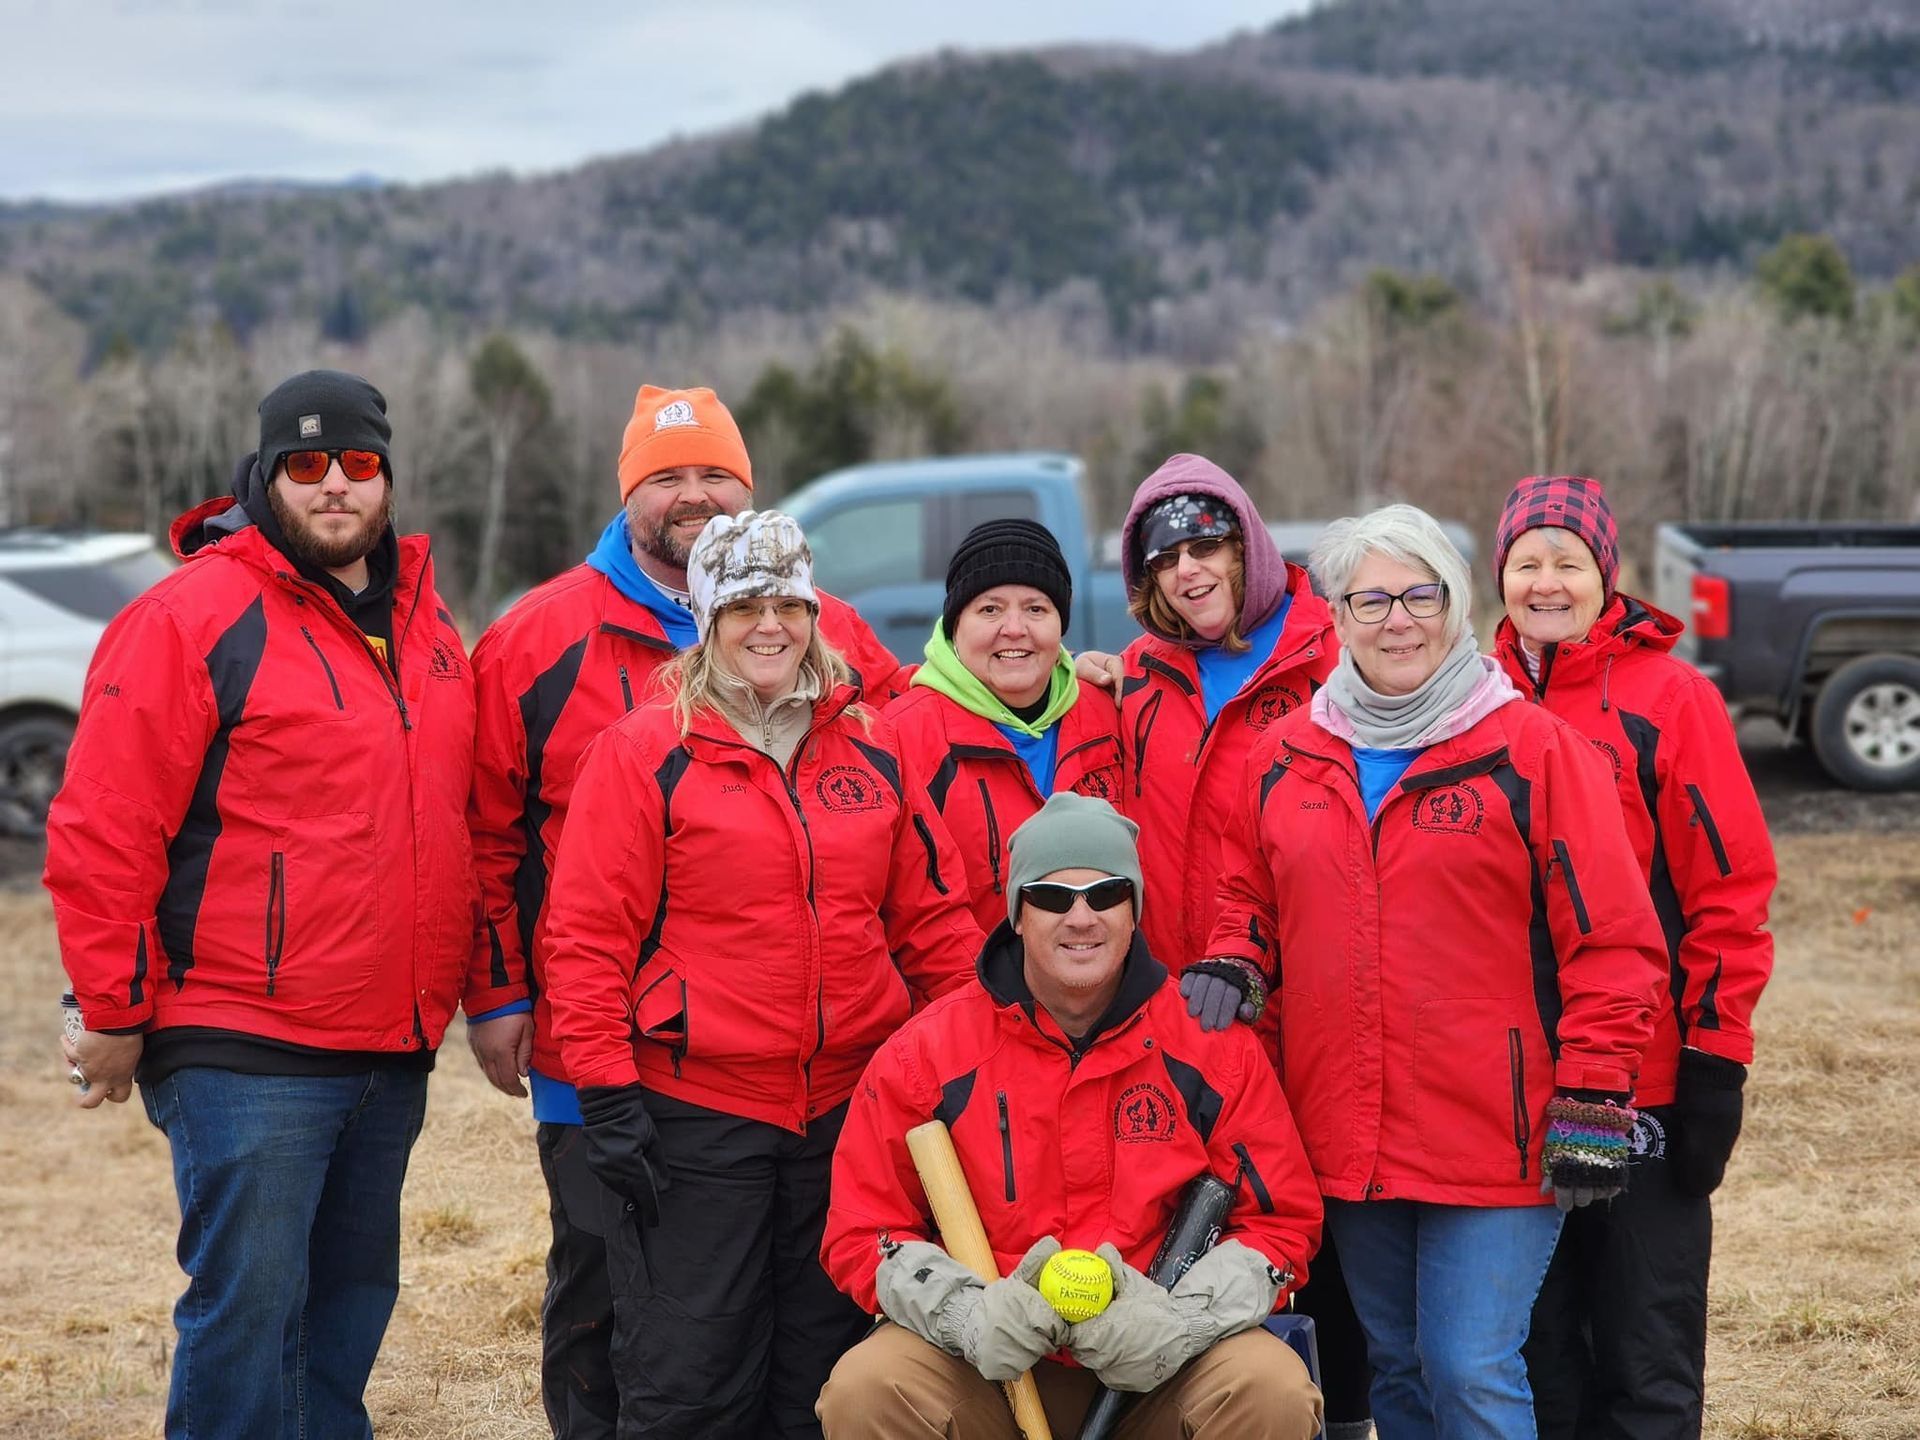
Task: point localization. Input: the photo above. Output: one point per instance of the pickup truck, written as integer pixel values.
(882, 534)
(1816, 626)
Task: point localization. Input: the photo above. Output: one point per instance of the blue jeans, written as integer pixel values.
(289, 1192)
(1445, 1294)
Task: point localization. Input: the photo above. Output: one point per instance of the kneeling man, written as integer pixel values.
(1082, 1098)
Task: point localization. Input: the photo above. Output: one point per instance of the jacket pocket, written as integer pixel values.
(1522, 1116)
(1142, 733)
(660, 1014)
(1563, 861)
(276, 942)
(1703, 817)
(1250, 1172)
(1006, 1144)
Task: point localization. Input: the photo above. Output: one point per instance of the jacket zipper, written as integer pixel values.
(320, 655)
(1522, 1121)
(626, 688)
(1006, 1143)
(276, 915)
(1252, 1175)
(1565, 862)
(1143, 732)
(1703, 817)
(993, 836)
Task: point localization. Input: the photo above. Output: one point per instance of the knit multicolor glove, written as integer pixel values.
(1584, 1158)
(1220, 990)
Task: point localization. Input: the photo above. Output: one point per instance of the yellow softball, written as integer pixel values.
(1077, 1283)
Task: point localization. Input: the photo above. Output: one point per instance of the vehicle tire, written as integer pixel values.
(33, 758)
(1866, 723)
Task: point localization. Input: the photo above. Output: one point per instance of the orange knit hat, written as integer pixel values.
(670, 428)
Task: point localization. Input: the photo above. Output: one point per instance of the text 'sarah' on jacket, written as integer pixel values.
(262, 827)
(1089, 1146)
(1441, 971)
(1691, 814)
(740, 936)
(981, 786)
(569, 659)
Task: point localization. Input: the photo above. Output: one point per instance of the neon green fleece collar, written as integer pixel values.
(944, 672)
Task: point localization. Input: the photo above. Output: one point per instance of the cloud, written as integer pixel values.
(111, 99)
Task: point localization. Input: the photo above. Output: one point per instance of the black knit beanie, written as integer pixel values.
(1007, 552)
(322, 410)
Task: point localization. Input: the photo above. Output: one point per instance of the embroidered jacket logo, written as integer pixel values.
(1143, 1115)
(1269, 703)
(847, 788)
(1452, 809)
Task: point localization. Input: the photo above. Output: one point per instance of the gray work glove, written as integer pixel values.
(1147, 1333)
(1002, 1330)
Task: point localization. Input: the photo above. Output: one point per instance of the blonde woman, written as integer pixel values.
(746, 901)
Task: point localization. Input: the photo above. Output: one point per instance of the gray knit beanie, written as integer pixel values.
(1072, 832)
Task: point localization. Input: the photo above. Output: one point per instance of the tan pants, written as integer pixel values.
(895, 1386)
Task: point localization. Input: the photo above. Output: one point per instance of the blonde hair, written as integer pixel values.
(692, 678)
(1152, 610)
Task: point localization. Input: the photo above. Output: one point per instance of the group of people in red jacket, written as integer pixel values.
(1444, 961)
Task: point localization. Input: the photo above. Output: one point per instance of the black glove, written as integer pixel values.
(1222, 990)
(623, 1148)
(1706, 1107)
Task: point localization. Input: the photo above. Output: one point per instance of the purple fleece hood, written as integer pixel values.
(1265, 582)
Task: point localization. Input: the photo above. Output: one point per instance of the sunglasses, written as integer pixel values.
(1057, 899)
(1371, 607)
(1198, 549)
(309, 467)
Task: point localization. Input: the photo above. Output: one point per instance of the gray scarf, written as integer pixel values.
(1395, 722)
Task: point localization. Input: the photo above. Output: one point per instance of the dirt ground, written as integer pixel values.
(1816, 1288)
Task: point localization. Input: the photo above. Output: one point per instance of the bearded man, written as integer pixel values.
(265, 899)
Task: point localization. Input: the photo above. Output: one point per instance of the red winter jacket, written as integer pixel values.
(1691, 814)
(1441, 971)
(981, 786)
(1089, 1148)
(1182, 775)
(260, 829)
(565, 662)
(735, 935)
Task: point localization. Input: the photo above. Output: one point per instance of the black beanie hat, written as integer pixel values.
(322, 410)
(1007, 552)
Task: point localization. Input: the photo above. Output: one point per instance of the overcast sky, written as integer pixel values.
(110, 98)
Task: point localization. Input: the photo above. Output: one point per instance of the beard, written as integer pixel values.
(660, 539)
(333, 552)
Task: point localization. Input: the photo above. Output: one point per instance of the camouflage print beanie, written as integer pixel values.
(740, 557)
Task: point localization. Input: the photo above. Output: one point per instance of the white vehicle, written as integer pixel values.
(58, 590)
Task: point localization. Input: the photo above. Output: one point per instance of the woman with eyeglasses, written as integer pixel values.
(1433, 878)
(995, 721)
(746, 900)
(1619, 1342)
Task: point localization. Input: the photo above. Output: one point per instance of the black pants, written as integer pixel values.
(1344, 1375)
(1619, 1343)
(725, 1326)
(576, 1318)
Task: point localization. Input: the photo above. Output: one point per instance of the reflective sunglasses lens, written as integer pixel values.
(1108, 893)
(307, 467)
(1054, 899)
(360, 464)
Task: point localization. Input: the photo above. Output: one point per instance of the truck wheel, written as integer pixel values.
(1866, 723)
(33, 757)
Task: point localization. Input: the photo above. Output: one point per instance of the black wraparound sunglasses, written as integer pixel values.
(1057, 899)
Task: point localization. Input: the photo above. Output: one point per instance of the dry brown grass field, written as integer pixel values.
(1816, 1290)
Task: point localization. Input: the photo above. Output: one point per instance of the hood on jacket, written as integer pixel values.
(1264, 584)
(1003, 974)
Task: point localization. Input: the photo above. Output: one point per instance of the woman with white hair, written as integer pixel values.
(1436, 884)
(746, 902)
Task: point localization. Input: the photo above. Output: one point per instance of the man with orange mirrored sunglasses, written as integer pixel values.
(265, 898)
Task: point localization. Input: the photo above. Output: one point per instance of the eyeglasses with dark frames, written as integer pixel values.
(1371, 607)
(1199, 549)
